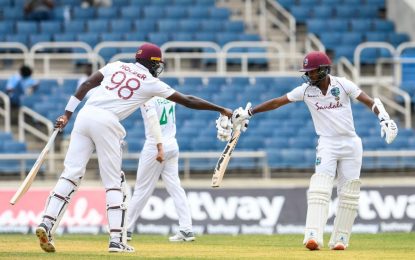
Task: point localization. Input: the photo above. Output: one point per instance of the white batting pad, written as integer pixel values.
(346, 213)
(58, 202)
(318, 198)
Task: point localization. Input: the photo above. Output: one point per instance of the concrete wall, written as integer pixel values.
(402, 12)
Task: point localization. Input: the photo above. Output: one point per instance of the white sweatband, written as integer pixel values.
(155, 129)
(72, 104)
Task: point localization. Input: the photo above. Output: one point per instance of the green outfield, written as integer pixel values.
(79, 247)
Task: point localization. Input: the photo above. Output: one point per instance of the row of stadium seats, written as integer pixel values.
(122, 26)
(311, 3)
(19, 3)
(127, 12)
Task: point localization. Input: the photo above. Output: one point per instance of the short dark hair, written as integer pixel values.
(25, 71)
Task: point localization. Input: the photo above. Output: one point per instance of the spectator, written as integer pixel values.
(20, 84)
(38, 10)
(96, 3)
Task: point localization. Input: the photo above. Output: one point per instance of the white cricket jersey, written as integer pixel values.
(165, 111)
(125, 87)
(331, 113)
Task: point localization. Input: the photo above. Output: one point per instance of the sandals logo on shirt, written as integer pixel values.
(335, 92)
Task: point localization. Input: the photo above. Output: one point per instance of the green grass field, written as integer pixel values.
(79, 247)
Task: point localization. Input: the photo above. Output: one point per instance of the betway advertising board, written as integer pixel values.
(216, 211)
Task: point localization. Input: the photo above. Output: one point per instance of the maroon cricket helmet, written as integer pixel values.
(149, 51)
(315, 60)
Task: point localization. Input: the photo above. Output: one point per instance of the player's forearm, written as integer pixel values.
(201, 104)
(268, 105)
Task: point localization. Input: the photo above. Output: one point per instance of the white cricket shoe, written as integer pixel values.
(45, 238)
(312, 244)
(116, 247)
(182, 236)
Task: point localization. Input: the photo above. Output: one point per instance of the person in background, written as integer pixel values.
(39, 10)
(21, 84)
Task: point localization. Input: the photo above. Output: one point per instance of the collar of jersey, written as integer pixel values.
(141, 67)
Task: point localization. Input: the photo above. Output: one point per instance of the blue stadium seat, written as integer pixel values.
(107, 13)
(308, 3)
(338, 25)
(97, 26)
(397, 38)
(352, 38)
(22, 38)
(149, 11)
(189, 25)
(13, 13)
(324, 12)
(183, 2)
(176, 12)
(121, 26)
(205, 36)
(293, 158)
(369, 56)
(344, 51)
(6, 27)
(158, 38)
(79, 13)
(212, 26)
(64, 37)
(361, 25)
(223, 38)
(234, 26)
(182, 37)
(205, 3)
(35, 38)
(367, 11)
(249, 37)
(301, 13)
(198, 11)
(219, 13)
(383, 25)
(287, 4)
(145, 26)
(50, 27)
(167, 25)
(345, 11)
(26, 27)
(330, 40)
(314, 25)
(74, 26)
(376, 36)
(112, 36)
(251, 143)
(130, 12)
(90, 38)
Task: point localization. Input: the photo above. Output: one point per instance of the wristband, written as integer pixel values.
(72, 104)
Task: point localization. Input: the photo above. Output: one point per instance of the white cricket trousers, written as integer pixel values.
(101, 130)
(341, 155)
(148, 173)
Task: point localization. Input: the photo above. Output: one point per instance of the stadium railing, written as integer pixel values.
(5, 111)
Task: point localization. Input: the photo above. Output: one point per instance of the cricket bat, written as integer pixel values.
(35, 169)
(223, 161)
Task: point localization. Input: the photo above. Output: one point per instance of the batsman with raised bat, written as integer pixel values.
(339, 149)
(120, 89)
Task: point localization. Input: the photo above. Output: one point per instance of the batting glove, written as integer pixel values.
(240, 118)
(389, 130)
(224, 127)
